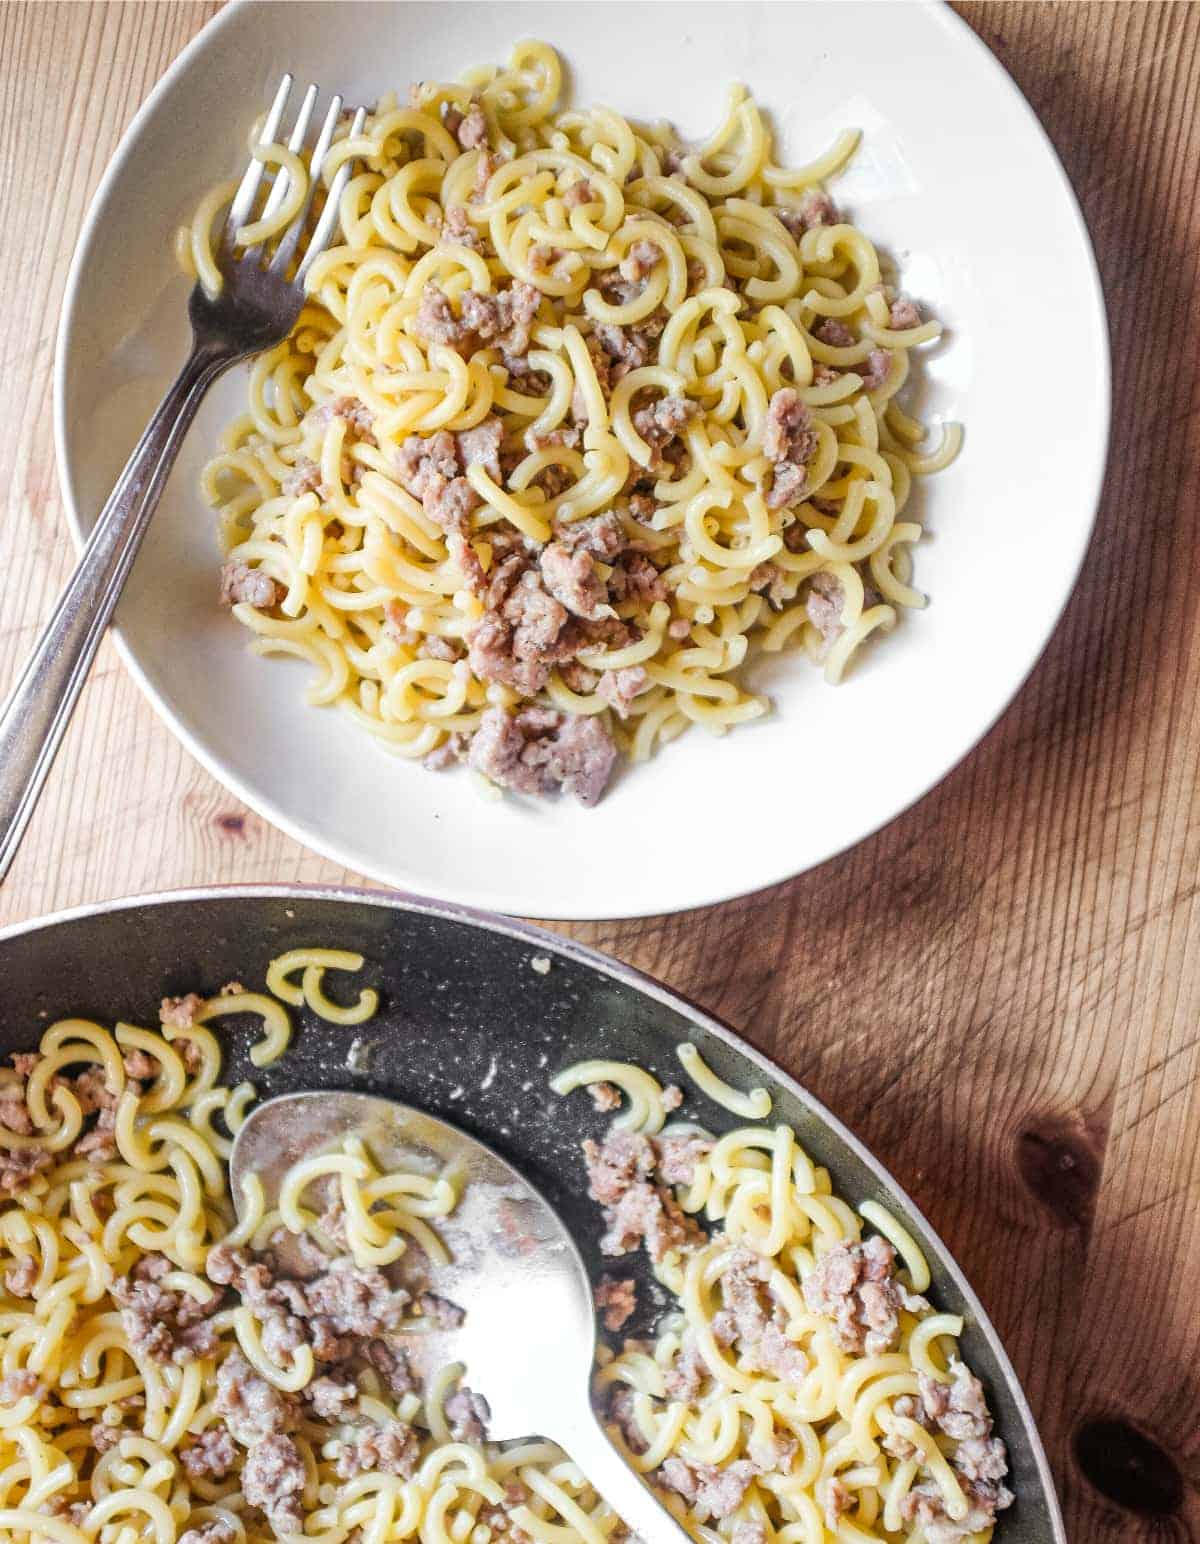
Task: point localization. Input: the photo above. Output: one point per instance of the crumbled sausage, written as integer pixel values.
(467, 1415)
(925, 1504)
(433, 647)
(140, 1065)
(480, 446)
(601, 535)
(788, 442)
(634, 577)
(677, 1156)
(436, 321)
(165, 1325)
(242, 584)
(180, 1012)
(571, 577)
(273, 1478)
(305, 477)
(684, 1378)
(616, 1297)
(579, 193)
(392, 1366)
(759, 1322)
(431, 470)
(445, 1314)
(19, 1385)
(543, 257)
(469, 128)
(328, 1312)
(14, 1112)
(448, 754)
(356, 1301)
(485, 170)
(854, 1286)
(621, 1413)
(772, 1452)
(814, 208)
(958, 1406)
(578, 678)
(328, 1397)
(663, 422)
(218, 1530)
(639, 262)
(390, 1449)
(458, 228)
(252, 1408)
(833, 332)
(982, 1460)
(895, 1442)
(604, 1095)
(824, 604)
(517, 642)
(635, 1209)
(567, 435)
(19, 1278)
(712, 1492)
(212, 1455)
(623, 1158)
(104, 1437)
(353, 413)
(539, 751)
(628, 348)
(877, 369)
(772, 581)
(503, 319)
(903, 314)
(838, 1501)
(98, 1145)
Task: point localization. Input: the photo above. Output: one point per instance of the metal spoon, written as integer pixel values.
(528, 1338)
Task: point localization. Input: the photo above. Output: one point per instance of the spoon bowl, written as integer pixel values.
(528, 1335)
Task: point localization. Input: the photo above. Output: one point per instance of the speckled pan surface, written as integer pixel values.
(470, 1029)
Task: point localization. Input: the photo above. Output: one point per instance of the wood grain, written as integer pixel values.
(1000, 991)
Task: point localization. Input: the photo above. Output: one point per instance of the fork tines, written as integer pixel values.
(242, 207)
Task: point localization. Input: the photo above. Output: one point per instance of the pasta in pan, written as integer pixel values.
(576, 421)
(163, 1379)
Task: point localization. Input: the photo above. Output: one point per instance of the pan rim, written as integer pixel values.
(629, 975)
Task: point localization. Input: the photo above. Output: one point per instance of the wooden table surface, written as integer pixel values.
(1001, 991)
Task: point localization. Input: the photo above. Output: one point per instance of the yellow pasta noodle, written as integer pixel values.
(756, 1105)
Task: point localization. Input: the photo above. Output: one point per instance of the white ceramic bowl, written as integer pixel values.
(955, 178)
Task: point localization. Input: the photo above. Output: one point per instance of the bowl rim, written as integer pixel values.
(519, 902)
(648, 986)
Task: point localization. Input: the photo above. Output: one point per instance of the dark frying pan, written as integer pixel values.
(469, 1029)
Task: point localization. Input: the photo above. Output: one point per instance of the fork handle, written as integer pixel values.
(621, 1486)
(36, 714)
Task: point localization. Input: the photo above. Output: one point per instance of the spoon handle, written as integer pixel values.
(622, 1487)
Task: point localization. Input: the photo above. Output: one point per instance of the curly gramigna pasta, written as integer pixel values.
(574, 419)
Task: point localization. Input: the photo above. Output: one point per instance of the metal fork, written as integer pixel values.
(256, 308)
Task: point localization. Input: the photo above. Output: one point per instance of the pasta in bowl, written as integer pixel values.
(577, 422)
